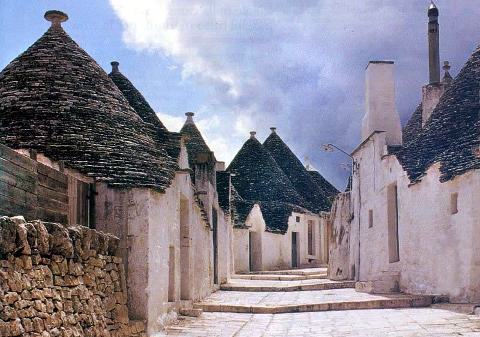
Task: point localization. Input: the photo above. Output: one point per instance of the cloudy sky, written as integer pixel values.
(251, 64)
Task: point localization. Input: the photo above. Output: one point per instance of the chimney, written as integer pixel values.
(273, 129)
(433, 44)
(220, 166)
(432, 92)
(252, 134)
(189, 117)
(381, 113)
(55, 17)
(115, 65)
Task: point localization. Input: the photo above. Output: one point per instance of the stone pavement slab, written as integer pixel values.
(280, 277)
(301, 301)
(272, 285)
(424, 322)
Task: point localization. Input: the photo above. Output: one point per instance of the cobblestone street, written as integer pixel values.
(255, 305)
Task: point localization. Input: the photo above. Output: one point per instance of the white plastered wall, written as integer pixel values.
(439, 251)
(273, 251)
(148, 225)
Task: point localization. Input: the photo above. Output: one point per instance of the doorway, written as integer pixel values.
(215, 245)
(250, 250)
(171, 274)
(184, 251)
(294, 249)
(392, 210)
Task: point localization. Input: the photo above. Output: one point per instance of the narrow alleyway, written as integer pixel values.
(304, 303)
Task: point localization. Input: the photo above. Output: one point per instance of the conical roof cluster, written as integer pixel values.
(271, 176)
(258, 177)
(55, 98)
(451, 136)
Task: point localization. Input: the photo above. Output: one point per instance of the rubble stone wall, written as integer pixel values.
(59, 281)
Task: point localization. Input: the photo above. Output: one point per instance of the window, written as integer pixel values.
(454, 203)
(392, 211)
(370, 218)
(311, 237)
(297, 219)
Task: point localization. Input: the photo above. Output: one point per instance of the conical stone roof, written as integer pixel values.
(258, 177)
(451, 136)
(135, 98)
(56, 99)
(193, 139)
(316, 198)
(328, 189)
(170, 141)
(414, 126)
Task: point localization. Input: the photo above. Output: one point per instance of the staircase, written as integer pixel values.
(301, 290)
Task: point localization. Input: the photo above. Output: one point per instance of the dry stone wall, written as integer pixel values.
(58, 281)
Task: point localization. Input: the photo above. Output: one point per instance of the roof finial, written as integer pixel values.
(433, 11)
(274, 129)
(252, 134)
(447, 78)
(115, 65)
(189, 117)
(56, 17)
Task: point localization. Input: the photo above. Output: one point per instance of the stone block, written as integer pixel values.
(8, 234)
(43, 238)
(60, 241)
(12, 328)
(22, 239)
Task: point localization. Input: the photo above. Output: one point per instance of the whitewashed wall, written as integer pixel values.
(273, 251)
(148, 223)
(439, 251)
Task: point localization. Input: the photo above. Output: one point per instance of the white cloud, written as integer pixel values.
(297, 65)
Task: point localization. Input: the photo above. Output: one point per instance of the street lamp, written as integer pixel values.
(332, 147)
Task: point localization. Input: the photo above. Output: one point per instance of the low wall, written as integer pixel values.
(58, 281)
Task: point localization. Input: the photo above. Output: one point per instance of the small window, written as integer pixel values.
(298, 219)
(370, 218)
(454, 203)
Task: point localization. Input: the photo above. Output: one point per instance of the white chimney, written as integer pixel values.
(381, 113)
(220, 166)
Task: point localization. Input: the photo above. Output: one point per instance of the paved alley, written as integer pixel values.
(306, 304)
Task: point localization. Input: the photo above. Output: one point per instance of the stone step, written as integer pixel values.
(307, 301)
(306, 271)
(193, 312)
(285, 286)
(393, 303)
(275, 277)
